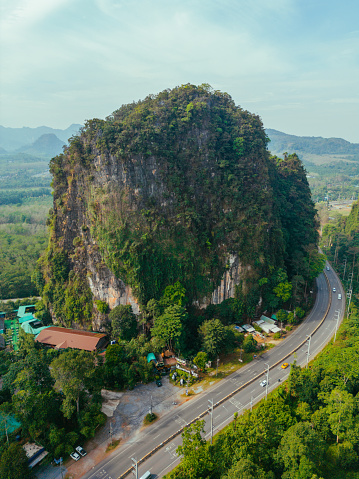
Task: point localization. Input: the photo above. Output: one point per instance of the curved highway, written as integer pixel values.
(235, 393)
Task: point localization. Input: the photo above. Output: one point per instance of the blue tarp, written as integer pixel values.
(151, 357)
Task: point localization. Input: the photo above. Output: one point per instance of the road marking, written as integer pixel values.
(170, 450)
(180, 421)
(102, 474)
(236, 403)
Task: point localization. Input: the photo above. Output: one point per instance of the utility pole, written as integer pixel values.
(62, 472)
(251, 403)
(110, 433)
(350, 292)
(135, 467)
(267, 379)
(217, 367)
(309, 338)
(210, 411)
(151, 406)
(337, 323)
(345, 267)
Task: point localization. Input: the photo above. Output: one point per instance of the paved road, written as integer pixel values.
(253, 373)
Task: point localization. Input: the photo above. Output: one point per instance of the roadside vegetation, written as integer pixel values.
(307, 429)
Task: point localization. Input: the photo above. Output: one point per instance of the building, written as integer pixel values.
(62, 338)
(28, 308)
(33, 326)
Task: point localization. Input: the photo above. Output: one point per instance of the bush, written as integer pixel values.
(150, 418)
(276, 335)
(249, 344)
(102, 306)
(288, 328)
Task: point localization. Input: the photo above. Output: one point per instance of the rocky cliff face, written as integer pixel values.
(179, 187)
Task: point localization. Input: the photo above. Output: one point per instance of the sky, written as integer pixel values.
(295, 63)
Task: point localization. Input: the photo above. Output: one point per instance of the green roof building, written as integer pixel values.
(33, 326)
(28, 308)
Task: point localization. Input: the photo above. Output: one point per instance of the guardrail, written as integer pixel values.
(233, 393)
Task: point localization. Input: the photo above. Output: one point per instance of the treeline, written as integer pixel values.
(17, 196)
(340, 242)
(307, 429)
(23, 237)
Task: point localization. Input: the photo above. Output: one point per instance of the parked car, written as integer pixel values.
(81, 451)
(159, 382)
(263, 383)
(75, 456)
(328, 268)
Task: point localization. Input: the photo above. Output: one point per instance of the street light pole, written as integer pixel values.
(336, 325)
(251, 402)
(217, 367)
(135, 467)
(267, 379)
(210, 411)
(308, 351)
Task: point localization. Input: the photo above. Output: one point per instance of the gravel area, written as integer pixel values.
(125, 413)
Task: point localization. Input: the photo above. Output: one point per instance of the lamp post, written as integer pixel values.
(210, 411)
(267, 379)
(308, 351)
(217, 367)
(337, 323)
(135, 467)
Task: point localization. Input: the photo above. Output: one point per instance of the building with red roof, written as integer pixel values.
(62, 338)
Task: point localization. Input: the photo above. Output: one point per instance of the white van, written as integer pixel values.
(339, 296)
(147, 475)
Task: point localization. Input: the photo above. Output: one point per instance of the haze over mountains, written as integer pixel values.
(14, 139)
(47, 142)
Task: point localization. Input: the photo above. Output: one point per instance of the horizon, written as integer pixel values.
(294, 64)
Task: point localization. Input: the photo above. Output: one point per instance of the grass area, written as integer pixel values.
(113, 445)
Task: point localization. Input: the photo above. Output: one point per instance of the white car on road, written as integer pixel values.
(263, 383)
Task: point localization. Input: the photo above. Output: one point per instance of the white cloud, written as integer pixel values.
(21, 14)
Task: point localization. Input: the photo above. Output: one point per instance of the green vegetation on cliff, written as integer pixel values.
(167, 190)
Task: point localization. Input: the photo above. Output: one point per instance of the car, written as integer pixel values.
(334, 290)
(263, 383)
(339, 296)
(159, 383)
(75, 456)
(81, 451)
(284, 365)
(328, 268)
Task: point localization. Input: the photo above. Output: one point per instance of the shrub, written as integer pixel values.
(150, 418)
(102, 306)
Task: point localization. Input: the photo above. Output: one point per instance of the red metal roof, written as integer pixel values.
(62, 338)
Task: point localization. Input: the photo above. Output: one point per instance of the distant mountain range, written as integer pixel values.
(14, 139)
(46, 142)
(48, 145)
(309, 145)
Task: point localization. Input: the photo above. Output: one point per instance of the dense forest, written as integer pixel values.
(23, 238)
